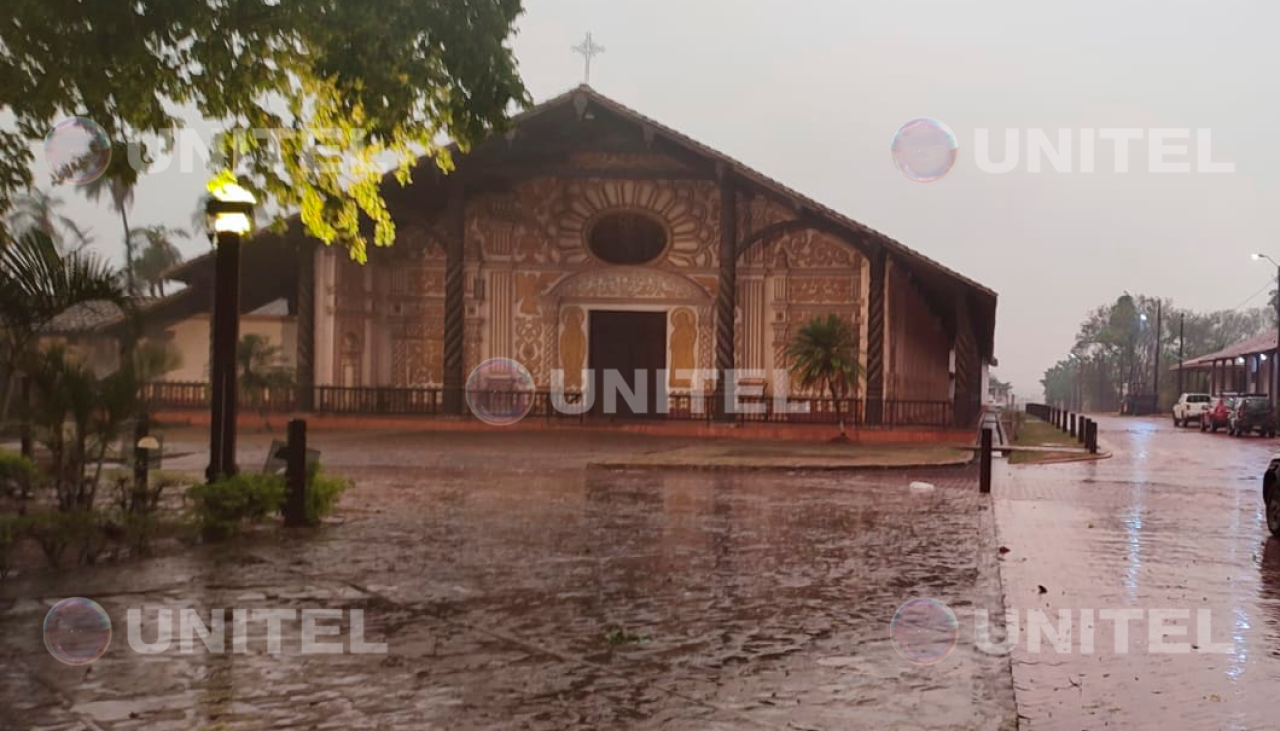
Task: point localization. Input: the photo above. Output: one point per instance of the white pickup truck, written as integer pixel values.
(1191, 407)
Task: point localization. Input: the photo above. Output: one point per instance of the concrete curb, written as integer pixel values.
(671, 467)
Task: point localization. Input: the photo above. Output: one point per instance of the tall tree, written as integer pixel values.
(118, 181)
(36, 210)
(157, 254)
(379, 79)
(37, 283)
(824, 353)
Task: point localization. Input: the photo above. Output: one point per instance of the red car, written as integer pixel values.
(1219, 413)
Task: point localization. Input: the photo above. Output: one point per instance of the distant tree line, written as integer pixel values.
(1114, 351)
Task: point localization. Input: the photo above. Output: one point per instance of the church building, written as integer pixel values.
(591, 237)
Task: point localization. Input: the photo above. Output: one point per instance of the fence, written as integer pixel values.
(552, 405)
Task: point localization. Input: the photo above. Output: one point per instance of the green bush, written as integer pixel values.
(56, 531)
(223, 506)
(323, 494)
(18, 476)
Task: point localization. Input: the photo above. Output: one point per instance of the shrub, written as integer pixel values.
(18, 476)
(323, 494)
(143, 499)
(56, 531)
(221, 507)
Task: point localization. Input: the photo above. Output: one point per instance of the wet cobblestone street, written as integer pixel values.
(517, 589)
(1173, 522)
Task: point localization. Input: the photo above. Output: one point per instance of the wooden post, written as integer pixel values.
(141, 457)
(1071, 422)
(1084, 428)
(726, 300)
(27, 446)
(454, 305)
(984, 462)
(305, 311)
(875, 338)
(1091, 441)
(295, 513)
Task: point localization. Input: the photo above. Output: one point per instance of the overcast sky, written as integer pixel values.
(810, 92)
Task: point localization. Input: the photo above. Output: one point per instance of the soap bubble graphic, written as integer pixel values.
(500, 391)
(77, 151)
(77, 631)
(924, 150)
(924, 631)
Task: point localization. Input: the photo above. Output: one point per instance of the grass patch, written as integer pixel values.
(1039, 433)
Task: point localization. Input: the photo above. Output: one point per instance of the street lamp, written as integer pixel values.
(229, 216)
(1275, 367)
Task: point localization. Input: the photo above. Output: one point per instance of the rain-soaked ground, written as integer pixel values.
(515, 588)
(1173, 522)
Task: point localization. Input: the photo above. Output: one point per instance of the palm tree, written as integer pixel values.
(824, 353)
(36, 210)
(262, 369)
(158, 255)
(37, 283)
(118, 181)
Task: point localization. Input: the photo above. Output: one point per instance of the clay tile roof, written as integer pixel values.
(84, 317)
(1260, 343)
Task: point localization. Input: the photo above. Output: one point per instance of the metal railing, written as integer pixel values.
(378, 400)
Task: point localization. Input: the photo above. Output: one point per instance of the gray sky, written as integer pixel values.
(811, 93)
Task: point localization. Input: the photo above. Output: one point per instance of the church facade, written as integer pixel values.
(590, 237)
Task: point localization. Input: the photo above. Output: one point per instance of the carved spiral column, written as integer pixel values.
(454, 307)
(305, 310)
(726, 295)
(875, 339)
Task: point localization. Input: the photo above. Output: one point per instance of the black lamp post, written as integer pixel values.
(230, 216)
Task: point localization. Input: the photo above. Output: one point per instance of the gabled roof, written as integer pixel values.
(582, 98)
(585, 92)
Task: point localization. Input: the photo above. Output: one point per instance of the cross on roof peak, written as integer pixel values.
(588, 49)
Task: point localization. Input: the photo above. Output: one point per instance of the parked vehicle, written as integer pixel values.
(1252, 413)
(1219, 413)
(1191, 407)
(1271, 495)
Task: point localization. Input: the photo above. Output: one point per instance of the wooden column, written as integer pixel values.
(726, 297)
(454, 308)
(963, 402)
(875, 338)
(305, 312)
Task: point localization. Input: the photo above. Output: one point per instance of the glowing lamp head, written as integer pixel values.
(230, 209)
(1256, 257)
(148, 443)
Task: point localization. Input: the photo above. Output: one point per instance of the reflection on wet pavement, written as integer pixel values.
(1172, 522)
(517, 590)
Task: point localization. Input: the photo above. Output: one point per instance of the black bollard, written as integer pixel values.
(1084, 428)
(27, 441)
(1071, 422)
(141, 454)
(1091, 440)
(295, 475)
(984, 463)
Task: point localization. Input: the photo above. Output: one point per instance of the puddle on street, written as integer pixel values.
(553, 599)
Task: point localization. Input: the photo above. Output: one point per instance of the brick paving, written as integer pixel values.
(517, 589)
(1172, 521)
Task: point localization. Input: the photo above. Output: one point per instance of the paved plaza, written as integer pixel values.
(516, 588)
